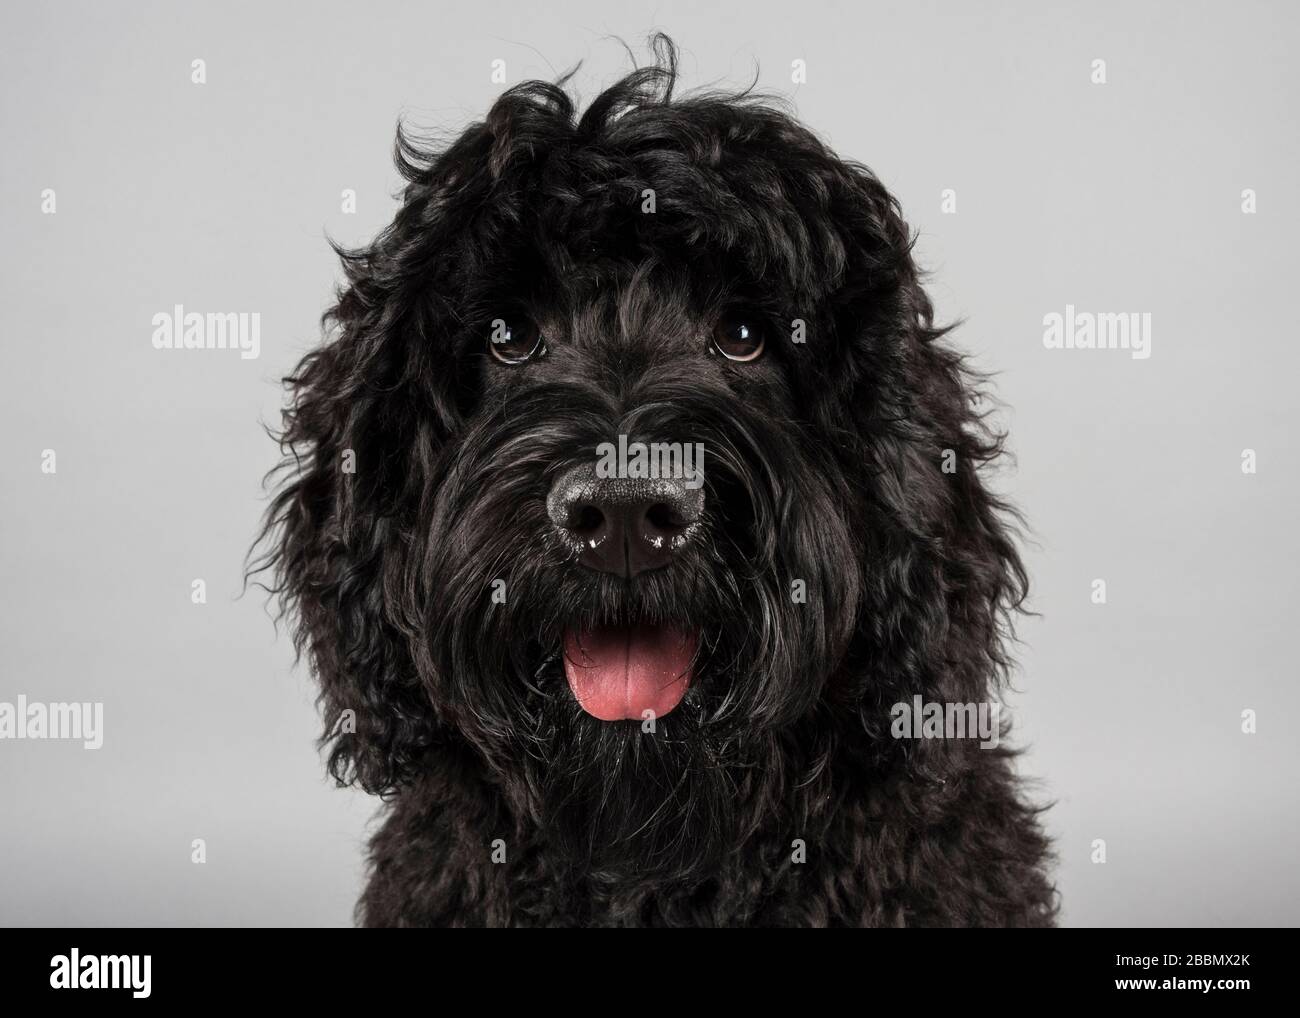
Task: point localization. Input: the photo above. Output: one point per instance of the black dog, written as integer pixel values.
(601, 689)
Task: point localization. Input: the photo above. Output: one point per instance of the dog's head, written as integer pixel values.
(634, 476)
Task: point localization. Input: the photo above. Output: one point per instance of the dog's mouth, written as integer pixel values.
(618, 672)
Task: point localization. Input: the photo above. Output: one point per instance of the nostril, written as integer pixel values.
(586, 518)
(665, 517)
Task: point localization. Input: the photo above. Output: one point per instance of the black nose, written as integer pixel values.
(624, 526)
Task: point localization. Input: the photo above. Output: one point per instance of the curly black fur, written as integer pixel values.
(824, 464)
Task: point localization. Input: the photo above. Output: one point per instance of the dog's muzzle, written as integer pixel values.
(624, 526)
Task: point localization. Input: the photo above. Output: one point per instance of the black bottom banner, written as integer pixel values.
(137, 968)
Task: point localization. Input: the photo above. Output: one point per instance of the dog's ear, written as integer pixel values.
(937, 619)
(364, 435)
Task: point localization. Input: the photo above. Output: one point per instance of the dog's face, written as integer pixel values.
(645, 652)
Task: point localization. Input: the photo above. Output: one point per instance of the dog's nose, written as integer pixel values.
(624, 526)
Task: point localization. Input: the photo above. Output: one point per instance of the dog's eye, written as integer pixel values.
(515, 340)
(738, 339)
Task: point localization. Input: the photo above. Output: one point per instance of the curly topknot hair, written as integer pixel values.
(697, 269)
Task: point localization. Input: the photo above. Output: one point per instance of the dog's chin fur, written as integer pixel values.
(416, 481)
(625, 807)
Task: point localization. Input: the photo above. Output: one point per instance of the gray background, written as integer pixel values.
(1122, 197)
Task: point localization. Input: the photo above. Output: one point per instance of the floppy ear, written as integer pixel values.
(363, 436)
(936, 617)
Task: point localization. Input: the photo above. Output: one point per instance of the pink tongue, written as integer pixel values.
(619, 672)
